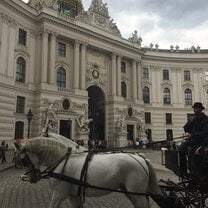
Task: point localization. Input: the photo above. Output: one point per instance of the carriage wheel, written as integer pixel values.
(188, 199)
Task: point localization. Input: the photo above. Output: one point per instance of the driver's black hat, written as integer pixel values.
(198, 105)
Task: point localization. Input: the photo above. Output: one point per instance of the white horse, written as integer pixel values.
(111, 171)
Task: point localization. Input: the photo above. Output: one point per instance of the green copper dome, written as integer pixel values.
(66, 7)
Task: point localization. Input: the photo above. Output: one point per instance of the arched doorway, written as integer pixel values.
(97, 113)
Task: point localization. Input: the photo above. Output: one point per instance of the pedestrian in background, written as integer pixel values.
(3, 152)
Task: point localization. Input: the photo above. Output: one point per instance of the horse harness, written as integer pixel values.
(82, 182)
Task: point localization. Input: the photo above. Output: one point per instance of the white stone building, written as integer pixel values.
(54, 52)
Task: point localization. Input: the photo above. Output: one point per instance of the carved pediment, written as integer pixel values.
(98, 16)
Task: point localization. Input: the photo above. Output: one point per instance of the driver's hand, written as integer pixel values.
(187, 136)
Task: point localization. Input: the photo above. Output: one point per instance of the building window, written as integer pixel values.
(145, 73)
(61, 77)
(146, 95)
(20, 70)
(206, 75)
(147, 118)
(166, 96)
(168, 117)
(188, 97)
(19, 130)
(165, 74)
(123, 90)
(22, 37)
(123, 67)
(20, 106)
(62, 49)
(187, 75)
(169, 134)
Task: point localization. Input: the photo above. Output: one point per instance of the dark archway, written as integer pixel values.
(97, 113)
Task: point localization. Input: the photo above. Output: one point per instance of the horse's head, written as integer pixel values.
(30, 161)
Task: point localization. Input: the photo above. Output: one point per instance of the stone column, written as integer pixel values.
(139, 75)
(12, 43)
(113, 74)
(76, 64)
(134, 80)
(44, 60)
(52, 58)
(119, 75)
(32, 75)
(83, 66)
(4, 45)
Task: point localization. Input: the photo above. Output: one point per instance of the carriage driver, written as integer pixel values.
(196, 132)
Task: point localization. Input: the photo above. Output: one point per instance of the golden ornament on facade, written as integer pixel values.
(95, 74)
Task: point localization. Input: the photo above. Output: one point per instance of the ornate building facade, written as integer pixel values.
(100, 85)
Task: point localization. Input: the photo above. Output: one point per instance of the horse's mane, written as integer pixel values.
(44, 145)
(68, 142)
(50, 145)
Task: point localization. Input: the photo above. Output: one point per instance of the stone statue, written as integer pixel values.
(141, 126)
(83, 122)
(49, 120)
(135, 38)
(121, 124)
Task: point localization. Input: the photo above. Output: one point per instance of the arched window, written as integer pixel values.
(166, 96)
(20, 69)
(188, 96)
(146, 95)
(19, 130)
(61, 77)
(123, 90)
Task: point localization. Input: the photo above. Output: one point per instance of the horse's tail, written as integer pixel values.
(153, 187)
(162, 200)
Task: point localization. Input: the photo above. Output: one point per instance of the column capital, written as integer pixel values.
(77, 42)
(136, 61)
(84, 43)
(53, 35)
(114, 54)
(45, 34)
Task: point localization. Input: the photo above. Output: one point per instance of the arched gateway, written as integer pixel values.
(97, 113)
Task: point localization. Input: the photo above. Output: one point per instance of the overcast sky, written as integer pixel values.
(166, 22)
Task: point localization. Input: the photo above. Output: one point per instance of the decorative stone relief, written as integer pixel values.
(8, 20)
(98, 16)
(121, 124)
(80, 107)
(39, 4)
(122, 111)
(95, 74)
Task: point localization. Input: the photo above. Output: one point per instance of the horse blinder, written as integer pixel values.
(34, 174)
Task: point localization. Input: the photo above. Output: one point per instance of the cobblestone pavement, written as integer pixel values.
(15, 193)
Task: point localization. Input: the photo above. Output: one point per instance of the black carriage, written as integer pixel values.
(191, 189)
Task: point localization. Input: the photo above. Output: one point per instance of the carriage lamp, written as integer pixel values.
(29, 118)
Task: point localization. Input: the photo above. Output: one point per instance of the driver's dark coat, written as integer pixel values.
(198, 128)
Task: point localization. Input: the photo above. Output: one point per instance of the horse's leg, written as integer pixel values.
(76, 201)
(57, 199)
(138, 201)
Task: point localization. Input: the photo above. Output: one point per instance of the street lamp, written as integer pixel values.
(29, 118)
